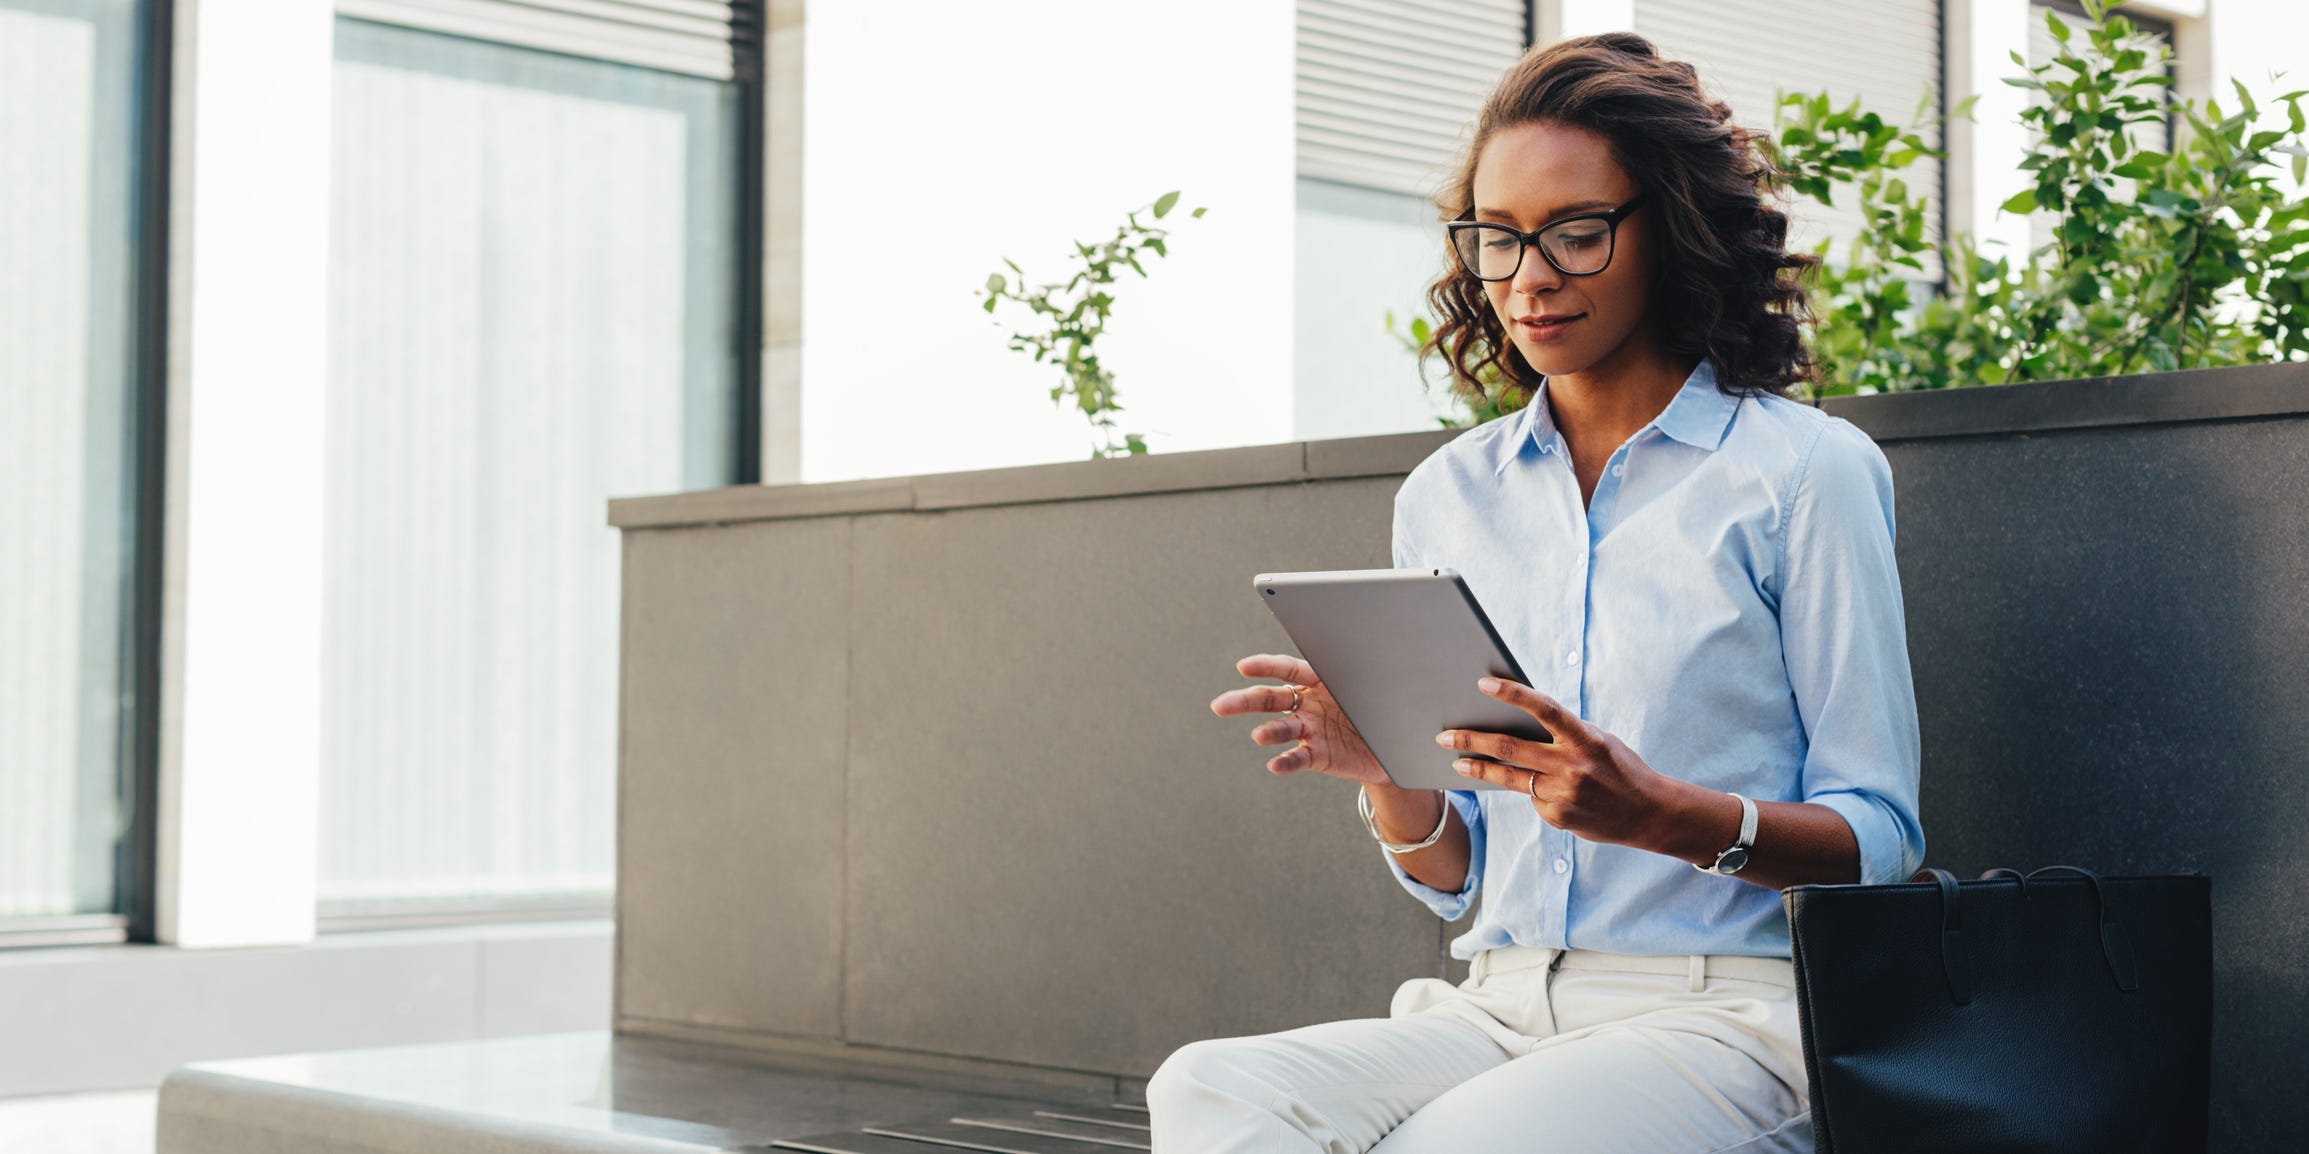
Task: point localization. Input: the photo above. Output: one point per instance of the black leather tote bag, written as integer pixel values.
(2057, 1011)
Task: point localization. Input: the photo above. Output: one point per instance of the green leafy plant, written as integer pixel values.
(1866, 295)
(1071, 316)
(2158, 261)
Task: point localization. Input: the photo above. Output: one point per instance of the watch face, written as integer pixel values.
(1730, 861)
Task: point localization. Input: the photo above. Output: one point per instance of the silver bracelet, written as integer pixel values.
(1363, 806)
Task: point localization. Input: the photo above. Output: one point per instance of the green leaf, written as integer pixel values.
(995, 283)
(2059, 30)
(1198, 212)
(2020, 202)
(1162, 204)
(991, 302)
(2245, 98)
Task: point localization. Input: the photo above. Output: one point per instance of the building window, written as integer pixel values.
(535, 272)
(70, 469)
(1387, 92)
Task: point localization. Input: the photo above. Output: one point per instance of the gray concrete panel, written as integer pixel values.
(1384, 455)
(2108, 635)
(733, 679)
(1057, 854)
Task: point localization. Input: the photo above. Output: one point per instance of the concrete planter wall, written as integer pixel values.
(921, 769)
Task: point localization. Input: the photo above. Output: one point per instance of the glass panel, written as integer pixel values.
(1362, 254)
(532, 310)
(68, 123)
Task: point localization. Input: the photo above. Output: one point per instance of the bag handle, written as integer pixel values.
(2116, 944)
(1955, 961)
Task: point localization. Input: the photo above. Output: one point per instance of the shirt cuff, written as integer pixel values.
(1450, 906)
(1883, 853)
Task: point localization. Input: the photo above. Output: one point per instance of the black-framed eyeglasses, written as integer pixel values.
(1577, 245)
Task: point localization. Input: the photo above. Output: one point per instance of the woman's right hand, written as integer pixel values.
(1328, 743)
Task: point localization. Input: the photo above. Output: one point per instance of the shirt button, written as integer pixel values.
(1619, 470)
(1571, 658)
(1561, 865)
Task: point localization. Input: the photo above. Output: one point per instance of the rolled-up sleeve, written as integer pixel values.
(1843, 633)
(1448, 906)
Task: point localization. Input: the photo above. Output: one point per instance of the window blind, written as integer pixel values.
(698, 37)
(1886, 52)
(1387, 90)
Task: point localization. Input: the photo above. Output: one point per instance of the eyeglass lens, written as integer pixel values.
(1576, 247)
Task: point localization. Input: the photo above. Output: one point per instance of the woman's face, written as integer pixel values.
(1530, 174)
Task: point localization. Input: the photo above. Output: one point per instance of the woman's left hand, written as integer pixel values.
(1589, 782)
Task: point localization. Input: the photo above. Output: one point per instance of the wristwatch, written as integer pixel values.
(1735, 855)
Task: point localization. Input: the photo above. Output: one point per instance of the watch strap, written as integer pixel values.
(1746, 839)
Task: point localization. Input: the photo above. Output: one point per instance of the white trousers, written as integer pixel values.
(1542, 1050)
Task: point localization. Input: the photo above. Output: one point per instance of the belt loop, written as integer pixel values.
(1699, 972)
(1480, 966)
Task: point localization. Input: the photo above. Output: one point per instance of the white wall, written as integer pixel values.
(1011, 128)
(250, 346)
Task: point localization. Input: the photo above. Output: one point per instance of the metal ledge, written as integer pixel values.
(2238, 393)
(2225, 394)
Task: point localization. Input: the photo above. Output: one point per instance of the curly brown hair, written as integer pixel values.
(1727, 287)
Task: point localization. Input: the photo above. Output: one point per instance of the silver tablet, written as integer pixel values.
(1400, 650)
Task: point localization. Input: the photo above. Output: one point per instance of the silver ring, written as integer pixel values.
(1295, 689)
(1533, 786)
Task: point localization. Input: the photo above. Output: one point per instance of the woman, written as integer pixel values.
(1698, 573)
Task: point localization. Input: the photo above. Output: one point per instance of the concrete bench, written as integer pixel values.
(596, 1094)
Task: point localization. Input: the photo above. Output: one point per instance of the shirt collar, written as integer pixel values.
(1698, 415)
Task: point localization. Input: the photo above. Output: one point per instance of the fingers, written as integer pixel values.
(1494, 772)
(1500, 747)
(1280, 666)
(1291, 760)
(1254, 699)
(1567, 728)
(1281, 730)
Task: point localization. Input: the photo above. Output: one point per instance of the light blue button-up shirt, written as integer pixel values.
(1727, 605)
